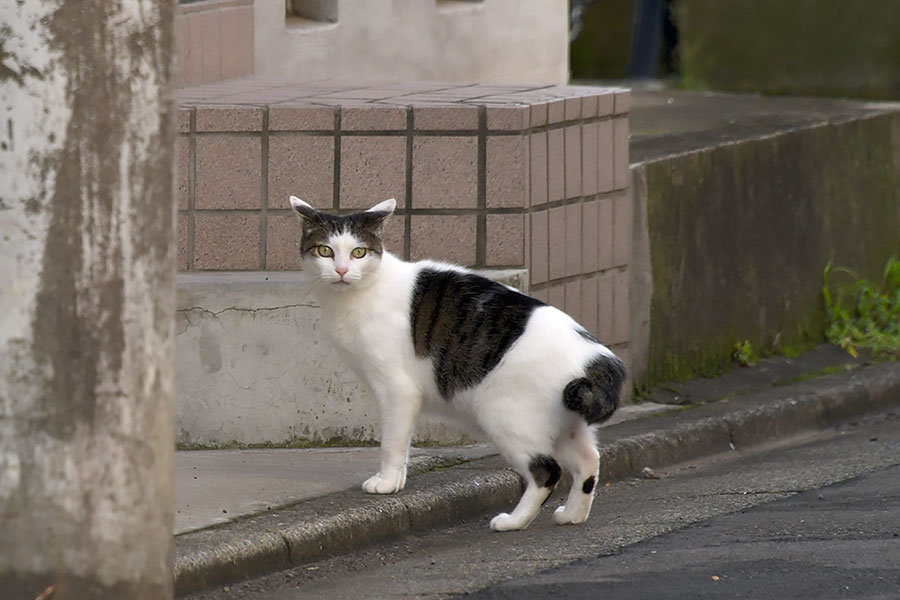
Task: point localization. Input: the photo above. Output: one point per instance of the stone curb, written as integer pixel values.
(348, 521)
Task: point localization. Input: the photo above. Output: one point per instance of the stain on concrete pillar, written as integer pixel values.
(86, 427)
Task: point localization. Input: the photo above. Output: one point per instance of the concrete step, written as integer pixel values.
(252, 367)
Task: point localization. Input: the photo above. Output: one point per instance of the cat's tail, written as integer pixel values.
(596, 395)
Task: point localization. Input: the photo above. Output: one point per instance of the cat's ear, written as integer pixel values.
(386, 207)
(303, 209)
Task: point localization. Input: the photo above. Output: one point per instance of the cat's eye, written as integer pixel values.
(359, 252)
(323, 251)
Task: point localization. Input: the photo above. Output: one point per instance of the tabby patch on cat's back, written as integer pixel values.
(440, 340)
(465, 323)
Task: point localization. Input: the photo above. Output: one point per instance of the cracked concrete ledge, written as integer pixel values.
(191, 309)
(344, 522)
(252, 367)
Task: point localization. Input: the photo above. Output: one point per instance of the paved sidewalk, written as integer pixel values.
(290, 507)
(218, 486)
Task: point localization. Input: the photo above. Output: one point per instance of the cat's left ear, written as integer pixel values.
(387, 207)
(381, 211)
(303, 209)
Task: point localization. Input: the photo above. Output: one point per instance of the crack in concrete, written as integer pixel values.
(247, 310)
(256, 381)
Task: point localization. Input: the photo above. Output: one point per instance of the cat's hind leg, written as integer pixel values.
(578, 454)
(541, 476)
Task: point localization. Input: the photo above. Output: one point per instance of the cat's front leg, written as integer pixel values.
(399, 410)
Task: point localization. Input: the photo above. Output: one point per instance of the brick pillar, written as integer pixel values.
(87, 262)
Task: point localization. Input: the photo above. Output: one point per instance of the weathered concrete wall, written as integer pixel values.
(802, 47)
(87, 261)
(253, 366)
(490, 41)
(736, 235)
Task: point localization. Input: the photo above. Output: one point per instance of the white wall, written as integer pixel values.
(492, 41)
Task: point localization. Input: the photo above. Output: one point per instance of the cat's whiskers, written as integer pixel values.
(317, 281)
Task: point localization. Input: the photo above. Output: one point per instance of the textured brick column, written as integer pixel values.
(86, 325)
(484, 176)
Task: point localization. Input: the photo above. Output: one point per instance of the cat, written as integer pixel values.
(434, 338)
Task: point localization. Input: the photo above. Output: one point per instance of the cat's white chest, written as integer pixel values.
(371, 326)
(348, 331)
(370, 329)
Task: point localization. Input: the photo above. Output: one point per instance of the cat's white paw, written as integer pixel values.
(564, 517)
(376, 484)
(505, 522)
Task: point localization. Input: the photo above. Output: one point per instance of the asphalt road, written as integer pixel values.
(841, 541)
(813, 517)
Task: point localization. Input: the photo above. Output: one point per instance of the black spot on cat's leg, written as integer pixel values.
(588, 485)
(545, 470)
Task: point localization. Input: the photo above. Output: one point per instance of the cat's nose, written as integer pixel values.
(341, 271)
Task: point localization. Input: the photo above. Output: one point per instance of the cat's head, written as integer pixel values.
(342, 252)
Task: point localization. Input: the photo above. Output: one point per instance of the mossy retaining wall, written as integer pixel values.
(734, 240)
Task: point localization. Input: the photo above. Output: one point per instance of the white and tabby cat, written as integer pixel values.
(438, 339)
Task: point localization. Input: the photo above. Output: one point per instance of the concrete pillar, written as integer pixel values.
(86, 299)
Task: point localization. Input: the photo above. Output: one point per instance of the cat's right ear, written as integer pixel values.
(303, 209)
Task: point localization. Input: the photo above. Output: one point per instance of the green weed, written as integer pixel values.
(640, 392)
(864, 315)
(745, 354)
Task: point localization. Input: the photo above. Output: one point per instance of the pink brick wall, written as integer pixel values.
(213, 41)
(484, 176)
(579, 211)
